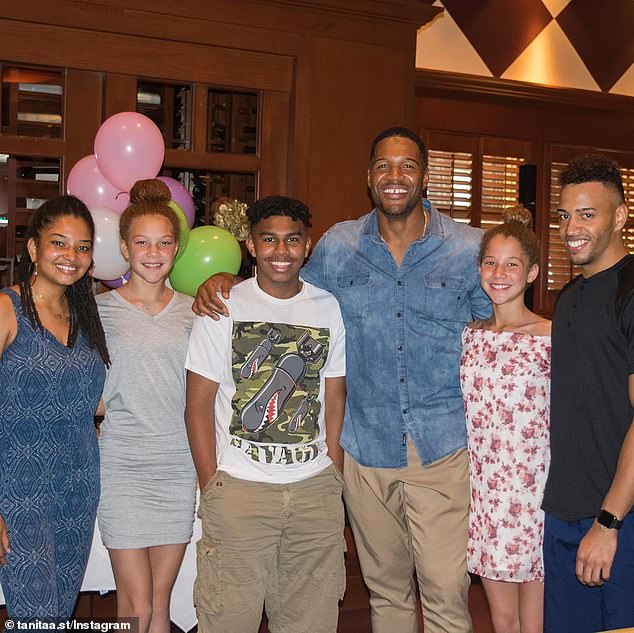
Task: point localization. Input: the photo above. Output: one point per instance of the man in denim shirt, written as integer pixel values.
(406, 278)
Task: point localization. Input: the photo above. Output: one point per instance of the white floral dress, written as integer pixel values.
(505, 379)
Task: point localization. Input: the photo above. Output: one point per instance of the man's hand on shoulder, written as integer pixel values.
(207, 301)
(595, 555)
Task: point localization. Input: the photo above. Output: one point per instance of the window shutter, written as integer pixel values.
(500, 186)
(559, 266)
(628, 187)
(450, 182)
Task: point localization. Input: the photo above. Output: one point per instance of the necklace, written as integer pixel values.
(56, 311)
(424, 224)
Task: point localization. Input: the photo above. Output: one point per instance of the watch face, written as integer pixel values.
(608, 520)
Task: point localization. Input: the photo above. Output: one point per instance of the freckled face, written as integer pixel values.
(151, 247)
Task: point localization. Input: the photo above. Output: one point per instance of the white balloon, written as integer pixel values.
(109, 262)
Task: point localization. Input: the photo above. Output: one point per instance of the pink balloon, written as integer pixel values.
(129, 147)
(86, 182)
(181, 197)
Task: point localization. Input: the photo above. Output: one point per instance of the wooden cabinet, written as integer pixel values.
(307, 84)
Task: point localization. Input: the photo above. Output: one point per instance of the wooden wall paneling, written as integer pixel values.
(11, 194)
(211, 161)
(83, 113)
(200, 104)
(355, 96)
(552, 121)
(145, 57)
(300, 119)
(274, 138)
(120, 94)
(346, 66)
(31, 146)
(366, 21)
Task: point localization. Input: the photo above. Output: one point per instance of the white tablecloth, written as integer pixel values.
(99, 578)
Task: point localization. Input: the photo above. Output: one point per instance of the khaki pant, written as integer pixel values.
(275, 545)
(413, 519)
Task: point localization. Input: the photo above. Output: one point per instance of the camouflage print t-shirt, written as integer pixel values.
(270, 360)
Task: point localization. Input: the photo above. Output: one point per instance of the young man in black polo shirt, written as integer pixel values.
(589, 529)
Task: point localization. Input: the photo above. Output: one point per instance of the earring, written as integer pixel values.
(33, 273)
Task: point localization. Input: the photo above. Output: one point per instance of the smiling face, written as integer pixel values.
(397, 177)
(504, 270)
(591, 217)
(280, 245)
(151, 247)
(63, 251)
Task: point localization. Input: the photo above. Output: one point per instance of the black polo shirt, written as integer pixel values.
(592, 358)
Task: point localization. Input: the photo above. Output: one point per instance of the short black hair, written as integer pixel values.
(401, 132)
(278, 205)
(593, 168)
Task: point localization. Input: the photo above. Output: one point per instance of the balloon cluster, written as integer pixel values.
(129, 147)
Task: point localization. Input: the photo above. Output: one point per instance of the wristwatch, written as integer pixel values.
(608, 520)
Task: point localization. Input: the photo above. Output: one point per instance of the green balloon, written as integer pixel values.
(184, 228)
(210, 250)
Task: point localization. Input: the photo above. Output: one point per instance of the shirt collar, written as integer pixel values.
(371, 226)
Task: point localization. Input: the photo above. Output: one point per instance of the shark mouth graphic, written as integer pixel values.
(272, 408)
(253, 369)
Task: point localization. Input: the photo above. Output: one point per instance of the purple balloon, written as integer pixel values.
(86, 182)
(118, 282)
(181, 197)
(129, 147)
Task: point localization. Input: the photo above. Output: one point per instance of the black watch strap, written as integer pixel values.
(608, 520)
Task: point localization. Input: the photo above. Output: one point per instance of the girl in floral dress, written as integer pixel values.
(505, 373)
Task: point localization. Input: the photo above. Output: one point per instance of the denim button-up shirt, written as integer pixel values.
(403, 334)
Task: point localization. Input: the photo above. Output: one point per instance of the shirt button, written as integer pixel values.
(402, 379)
(398, 314)
(400, 348)
(405, 410)
(574, 305)
(399, 283)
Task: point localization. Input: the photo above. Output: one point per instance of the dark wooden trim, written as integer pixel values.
(209, 161)
(197, 21)
(30, 146)
(446, 84)
(60, 46)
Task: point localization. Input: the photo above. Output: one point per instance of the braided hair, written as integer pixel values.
(81, 301)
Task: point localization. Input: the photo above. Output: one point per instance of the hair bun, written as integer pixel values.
(518, 215)
(150, 191)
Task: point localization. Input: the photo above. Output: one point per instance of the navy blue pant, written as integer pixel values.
(570, 606)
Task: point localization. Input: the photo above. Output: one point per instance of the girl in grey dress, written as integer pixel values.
(147, 476)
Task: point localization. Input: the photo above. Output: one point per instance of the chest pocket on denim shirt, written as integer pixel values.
(444, 298)
(353, 293)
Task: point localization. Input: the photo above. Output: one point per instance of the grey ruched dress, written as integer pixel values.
(148, 480)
